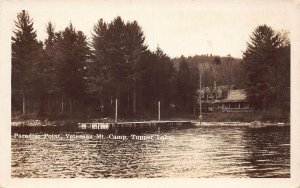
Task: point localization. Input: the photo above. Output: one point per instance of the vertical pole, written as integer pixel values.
(70, 103)
(24, 104)
(62, 104)
(158, 110)
(134, 100)
(116, 111)
(200, 112)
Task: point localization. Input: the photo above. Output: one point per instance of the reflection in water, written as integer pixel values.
(194, 152)
(269, 152)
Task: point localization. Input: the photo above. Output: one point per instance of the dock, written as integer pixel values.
(133, 124)
(166, 124)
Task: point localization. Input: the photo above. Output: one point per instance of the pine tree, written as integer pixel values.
(164, 75)
(183, 86)
(25, 53)
(280, 78)
(261, 57)
(72, 56)
(98, 75)
(118, 49)
(50, 63)
(135, 48)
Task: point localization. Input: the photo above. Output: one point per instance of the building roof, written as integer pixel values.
(219, 90)
(236, 95)
(216, 88)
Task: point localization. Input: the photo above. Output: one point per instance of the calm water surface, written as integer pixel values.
(203, 152)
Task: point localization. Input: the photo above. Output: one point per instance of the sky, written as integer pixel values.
(180, 27)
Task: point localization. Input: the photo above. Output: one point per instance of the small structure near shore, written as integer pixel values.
(235, 101)
(224, 98)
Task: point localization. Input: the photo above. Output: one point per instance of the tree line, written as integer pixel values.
(66, 74)
(217, 70)
(69, 75)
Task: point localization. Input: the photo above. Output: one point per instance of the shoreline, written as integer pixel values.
(74, 123)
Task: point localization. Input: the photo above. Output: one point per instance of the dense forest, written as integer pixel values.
(69, 75)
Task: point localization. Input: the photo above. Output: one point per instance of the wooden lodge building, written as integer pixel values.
(224, 98)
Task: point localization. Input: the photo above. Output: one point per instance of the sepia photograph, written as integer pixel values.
(149, 89)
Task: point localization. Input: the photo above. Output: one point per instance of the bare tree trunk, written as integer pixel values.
(194, 109)
(139, 104)
(111, 101)
(134, 100)
(24, 104)
(62, 104)
(101, 106)
(128, 102)
(48, 105)
(70, 103)
(36, 106)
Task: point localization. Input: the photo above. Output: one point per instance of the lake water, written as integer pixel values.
(203, 152)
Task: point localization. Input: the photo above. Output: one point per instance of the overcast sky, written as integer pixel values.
(178, 27)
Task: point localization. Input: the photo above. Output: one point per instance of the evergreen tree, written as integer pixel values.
(184, 86)
(135, 47)
(25, 53)
(98, 76)
(280, 76)
(261, 59)
(50, 66)
(164, 75)
(147, 78)
(117, 61)
(73, 54)
(217, 60)
(118, 49)
(40, 82)
(109, 68)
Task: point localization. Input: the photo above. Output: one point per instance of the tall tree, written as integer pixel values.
(261, 57)
(184, 86)
(50, 56)
(118, 49)
(73, 54)
(148, 68)
(118, 67)
(164, 74)
(280, 75)
(135, 47)
(98, 76)
(25, 52)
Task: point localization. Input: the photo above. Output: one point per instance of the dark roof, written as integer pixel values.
(218, 89)
(236, 95)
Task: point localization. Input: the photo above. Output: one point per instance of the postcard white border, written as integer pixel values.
(6, 23)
